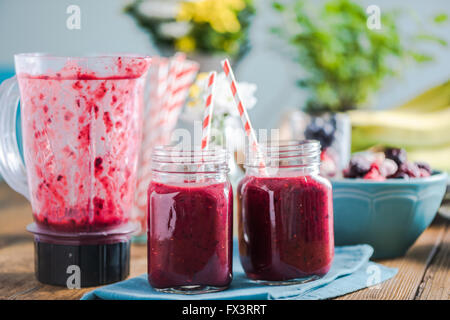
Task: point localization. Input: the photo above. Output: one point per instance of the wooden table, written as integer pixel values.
(423, 271)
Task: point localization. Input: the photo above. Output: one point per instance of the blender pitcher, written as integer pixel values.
(81, 121)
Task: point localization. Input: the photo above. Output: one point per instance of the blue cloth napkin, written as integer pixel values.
(351, 271)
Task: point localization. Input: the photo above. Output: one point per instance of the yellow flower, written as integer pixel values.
(226, 21)
(192, 104)
(195, 90)
(185, 44)
(221, 15)
(202, 76)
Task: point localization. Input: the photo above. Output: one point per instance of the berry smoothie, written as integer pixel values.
(285, 227)
(190, 235)
(82, 132)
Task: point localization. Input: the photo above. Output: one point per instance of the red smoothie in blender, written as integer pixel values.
(82, 131)
(286, 223)
(81, 126)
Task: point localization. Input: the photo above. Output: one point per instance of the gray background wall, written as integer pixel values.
(40, 25)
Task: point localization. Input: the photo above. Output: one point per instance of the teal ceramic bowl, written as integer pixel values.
(389, 215)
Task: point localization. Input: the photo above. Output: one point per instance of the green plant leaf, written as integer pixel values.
(433, 38)
(421, 57)
(278, 6)
(440, 18)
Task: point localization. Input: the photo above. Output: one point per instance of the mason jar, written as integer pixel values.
(285, 214)
(190, 205)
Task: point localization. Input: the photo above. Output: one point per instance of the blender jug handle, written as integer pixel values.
(12, 168)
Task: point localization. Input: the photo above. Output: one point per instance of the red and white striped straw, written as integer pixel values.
(241, 109)
(158, 86)
(169, 69)
(174, 84)
(185, 78)
(160, 123)
(176, 64)
(168, 115)
(209, 106)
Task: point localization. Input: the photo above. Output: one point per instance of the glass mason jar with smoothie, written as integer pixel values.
(285, 214)
(190, 207)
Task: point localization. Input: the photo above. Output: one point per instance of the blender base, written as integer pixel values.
(79, 266)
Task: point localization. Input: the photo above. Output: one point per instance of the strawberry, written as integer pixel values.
(374, 174)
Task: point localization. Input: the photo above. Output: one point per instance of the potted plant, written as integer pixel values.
(207, 30)
(344, 62)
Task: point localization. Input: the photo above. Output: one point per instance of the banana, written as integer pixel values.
(405, 139)
(421, 126)
(401, 119)
(434, 99)
(438, 158)
(402, 129)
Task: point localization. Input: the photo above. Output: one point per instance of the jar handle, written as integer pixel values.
(12, 167)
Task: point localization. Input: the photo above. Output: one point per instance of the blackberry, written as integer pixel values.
(321, 130)
(399, 175)
(407, 170)
(358, 167)
(396, 154)
(425, 166)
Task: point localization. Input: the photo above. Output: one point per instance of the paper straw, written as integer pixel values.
(241, 109)
(158, 86)
(209, 106)
(172, 94)
(176, 64)
(185, 78)
(160, 90)
(167, 73)
(166, 122)
(184, 81)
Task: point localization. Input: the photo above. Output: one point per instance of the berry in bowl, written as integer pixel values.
(386, 201)
(391, 163)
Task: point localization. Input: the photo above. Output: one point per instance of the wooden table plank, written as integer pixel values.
(423, 271)
(411, 268)
(9, 198)
(436, 282)
(18, 281)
